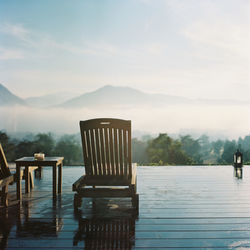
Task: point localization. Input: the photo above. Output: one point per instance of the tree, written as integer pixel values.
(139, 154)
(205, 149)
(192, 148)
(25, 148)
(217, 147)
(246, 157)
(44, 143)
(8, 146)
(229, 150)
(163, 150)
(69, 147)
(244, 143)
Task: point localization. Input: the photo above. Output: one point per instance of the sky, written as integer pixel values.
(191, 48)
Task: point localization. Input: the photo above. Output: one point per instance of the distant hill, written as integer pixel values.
(107, 97)
(121, 96)
(9, 99)
(46, 101)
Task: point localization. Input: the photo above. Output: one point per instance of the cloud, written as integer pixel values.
(215, 29)
(36, 44)
(230, 38)
(16, 30)
(8, 54)
(34, 40)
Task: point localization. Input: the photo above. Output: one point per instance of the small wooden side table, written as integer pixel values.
(28, 162)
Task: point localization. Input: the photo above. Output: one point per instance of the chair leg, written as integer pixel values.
(135, 201)
(77, 201)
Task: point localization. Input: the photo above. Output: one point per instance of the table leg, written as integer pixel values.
(54, 182)
(27, 179)
(60, 178)
(18, 183)
(38, 172)
(31, 180)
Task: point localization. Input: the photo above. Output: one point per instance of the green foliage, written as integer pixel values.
(218, 147)
(139, 154)
(25, 148)
(8, 145)
(192, 148)
(44, 143)
(69, 147)
(163, 150)
(229, 150)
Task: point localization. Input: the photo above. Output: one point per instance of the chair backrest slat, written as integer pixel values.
(120, 152)
(93, 150)
(107, 150)
(116, 152)
(111, 143)
(89, 161)
(107, 147)
(129, 153)
(98, 152)
(4, 169)
(103, 165)
(125, 155)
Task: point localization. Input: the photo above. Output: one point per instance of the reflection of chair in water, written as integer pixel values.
(8, 217)
(107, 156)
(106, 224)
(5, 228)
(106, 233)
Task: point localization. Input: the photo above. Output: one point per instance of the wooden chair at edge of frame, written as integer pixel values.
(6, 178)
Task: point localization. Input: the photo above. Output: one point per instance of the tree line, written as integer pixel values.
(185, 150)
(67, 145)
(161, 150)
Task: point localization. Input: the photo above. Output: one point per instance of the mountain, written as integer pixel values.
(108, 97)
(46, 101)
(121, 96)
(9, 99)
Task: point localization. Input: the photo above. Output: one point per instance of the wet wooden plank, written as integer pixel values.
(146, 243)
(68, 235)
(197, 243)
(180, 207)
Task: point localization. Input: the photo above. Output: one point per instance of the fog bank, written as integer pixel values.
(222, 121)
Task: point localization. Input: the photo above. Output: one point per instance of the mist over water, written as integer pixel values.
(219, 121)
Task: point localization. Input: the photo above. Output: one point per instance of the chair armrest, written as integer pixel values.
(6, 181)
(78, 183)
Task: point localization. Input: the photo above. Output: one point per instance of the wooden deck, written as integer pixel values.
(180, 207)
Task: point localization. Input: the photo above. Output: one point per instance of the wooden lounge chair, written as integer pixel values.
(6, 178)
(109, 172)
